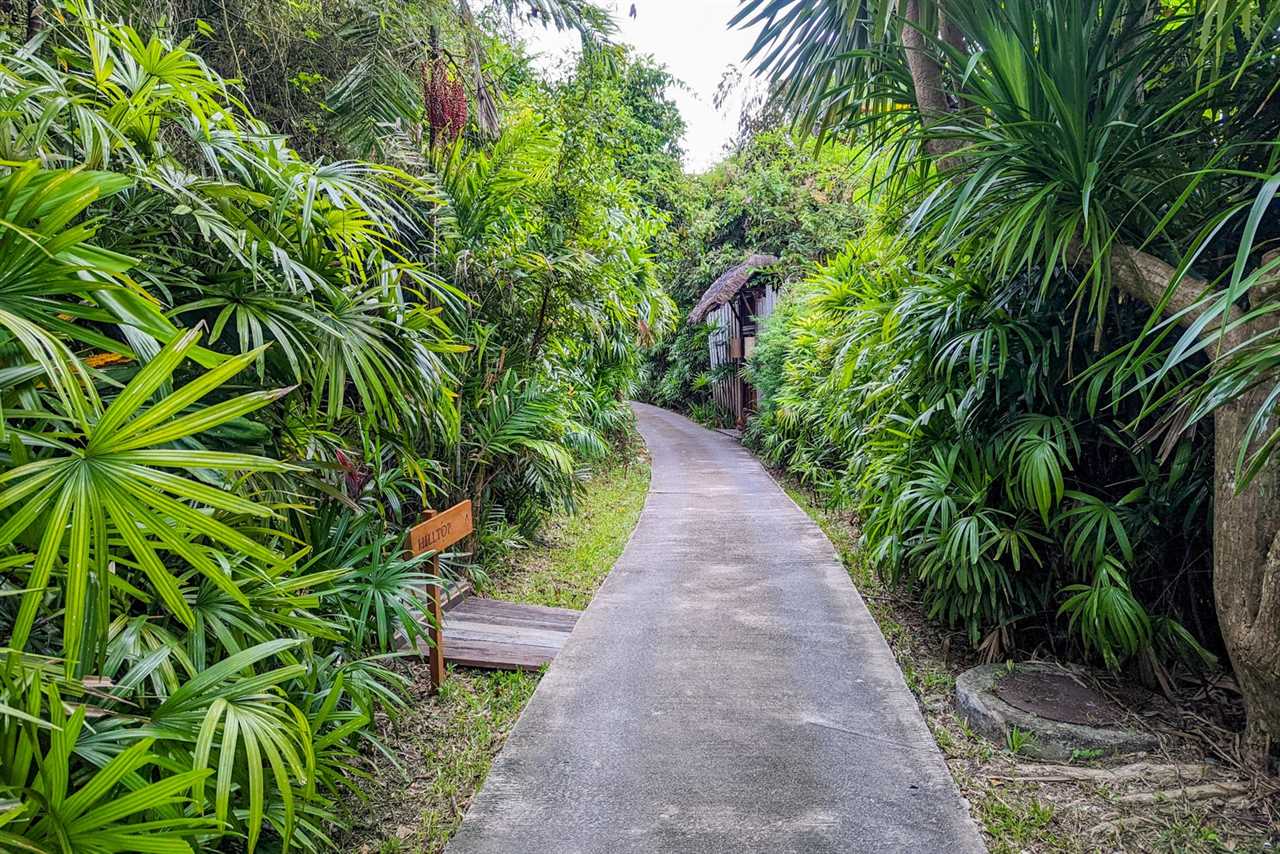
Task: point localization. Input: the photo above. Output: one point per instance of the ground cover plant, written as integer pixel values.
(573, 553)
(233, 374)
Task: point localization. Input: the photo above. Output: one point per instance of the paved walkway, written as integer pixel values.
(726, 693)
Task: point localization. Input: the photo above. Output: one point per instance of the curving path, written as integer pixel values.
(726, 693)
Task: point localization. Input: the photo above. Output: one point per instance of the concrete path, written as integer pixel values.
(726, 693)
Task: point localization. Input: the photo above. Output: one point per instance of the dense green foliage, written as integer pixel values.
(948, 410)
(775, 195)
(1025, 444)
(233, 376)
(941, 408)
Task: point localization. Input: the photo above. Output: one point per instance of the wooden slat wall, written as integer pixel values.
(722, 317)
(769, 303)
(728, 393)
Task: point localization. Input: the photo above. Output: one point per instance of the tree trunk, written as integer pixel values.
(540, 327)
(926, 78)
(1246, 524)
(1246, 574)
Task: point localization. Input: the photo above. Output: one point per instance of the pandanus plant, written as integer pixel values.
(1101, 146)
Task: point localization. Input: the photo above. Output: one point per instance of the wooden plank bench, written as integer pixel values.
(497, 635)
(487, 633)
(500, 635)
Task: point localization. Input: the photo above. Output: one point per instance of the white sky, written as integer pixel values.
(691, 39)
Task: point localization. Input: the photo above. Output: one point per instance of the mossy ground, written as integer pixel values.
(577, 551)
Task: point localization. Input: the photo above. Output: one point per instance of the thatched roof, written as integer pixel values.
(727, 286)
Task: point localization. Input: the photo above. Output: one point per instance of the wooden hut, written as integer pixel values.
(736, 305)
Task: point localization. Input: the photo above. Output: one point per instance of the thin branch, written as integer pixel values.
(1147, 278)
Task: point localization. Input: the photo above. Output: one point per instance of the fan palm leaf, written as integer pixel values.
(105, 492)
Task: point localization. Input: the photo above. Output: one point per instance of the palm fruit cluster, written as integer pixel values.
(446, 100)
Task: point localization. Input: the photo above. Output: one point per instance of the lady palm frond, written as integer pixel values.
(55, 284)
(143, 656)
(1039, 449)
(51, 811)
(1106, 614)
(380, 591)
(244, 718)
(105, 493)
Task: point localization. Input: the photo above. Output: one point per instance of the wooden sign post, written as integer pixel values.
(436, 533)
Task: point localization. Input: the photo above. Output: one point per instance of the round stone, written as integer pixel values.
(1061, 713)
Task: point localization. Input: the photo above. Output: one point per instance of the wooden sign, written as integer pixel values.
(441, 530)
(435, 534)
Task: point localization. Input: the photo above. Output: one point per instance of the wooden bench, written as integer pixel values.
(470, 631)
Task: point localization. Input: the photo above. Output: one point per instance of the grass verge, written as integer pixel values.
(440, 747)
(576, 552)
(1024, 806)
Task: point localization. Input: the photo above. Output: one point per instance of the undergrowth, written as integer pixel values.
(573, 553)
(441, 747)
(1046, 814)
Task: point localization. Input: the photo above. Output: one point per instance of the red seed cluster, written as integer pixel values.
(446, 100)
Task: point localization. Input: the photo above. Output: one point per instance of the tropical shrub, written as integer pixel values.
(1099, 147)
(231, 377)
(146, 527)
(552, 243)
(942, 409)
